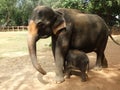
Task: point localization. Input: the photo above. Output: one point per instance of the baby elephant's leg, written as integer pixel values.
(68, 73)
(84, 76)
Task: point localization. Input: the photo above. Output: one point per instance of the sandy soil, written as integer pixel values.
(17, 73)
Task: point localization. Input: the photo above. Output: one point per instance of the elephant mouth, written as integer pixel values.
(45, 36)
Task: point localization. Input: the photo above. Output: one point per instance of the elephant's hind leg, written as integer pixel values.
(101, 61)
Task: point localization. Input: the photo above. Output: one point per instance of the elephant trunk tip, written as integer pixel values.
(44, 73)
(40, 69)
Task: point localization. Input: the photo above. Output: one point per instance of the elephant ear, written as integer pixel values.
(59, 23)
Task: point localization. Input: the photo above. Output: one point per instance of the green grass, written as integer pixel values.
(14, 44)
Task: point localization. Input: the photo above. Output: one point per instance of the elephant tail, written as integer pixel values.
(114, 39)
(110, 35)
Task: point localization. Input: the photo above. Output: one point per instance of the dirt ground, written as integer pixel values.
(17, 73)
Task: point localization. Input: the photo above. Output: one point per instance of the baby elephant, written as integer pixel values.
(77, 60)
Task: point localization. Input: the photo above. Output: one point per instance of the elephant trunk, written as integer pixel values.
(33, 56)
(32, 39)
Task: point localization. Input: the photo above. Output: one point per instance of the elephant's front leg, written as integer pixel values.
(59, 62)
(61, 49)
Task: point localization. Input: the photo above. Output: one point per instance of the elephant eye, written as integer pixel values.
(41, 25)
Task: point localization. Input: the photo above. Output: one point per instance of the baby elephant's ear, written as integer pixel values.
(59, 23)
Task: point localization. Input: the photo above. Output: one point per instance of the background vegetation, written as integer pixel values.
(17, 12)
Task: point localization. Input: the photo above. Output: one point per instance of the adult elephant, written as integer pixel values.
(69, 29)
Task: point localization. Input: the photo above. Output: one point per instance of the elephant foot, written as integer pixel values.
(97, 68)
(83, 80)
(67, 76)
(104, 65)
(58, 79)
(51, 77)
(84, 77)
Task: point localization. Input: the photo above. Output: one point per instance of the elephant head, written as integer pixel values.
(44, 22)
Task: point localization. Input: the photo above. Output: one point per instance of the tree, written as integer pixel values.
(75, 4)
(23, 10)
(108, 9)
(17, 12)
(6, 11)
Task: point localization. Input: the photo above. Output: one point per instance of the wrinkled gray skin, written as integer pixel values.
(69, 29)
(77, 60)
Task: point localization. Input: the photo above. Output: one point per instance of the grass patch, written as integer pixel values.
(15, 43)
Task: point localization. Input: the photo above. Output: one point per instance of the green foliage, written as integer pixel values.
(108, 9)
(71, 4)
(75, 4)
(6, 10)
(17, 12)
